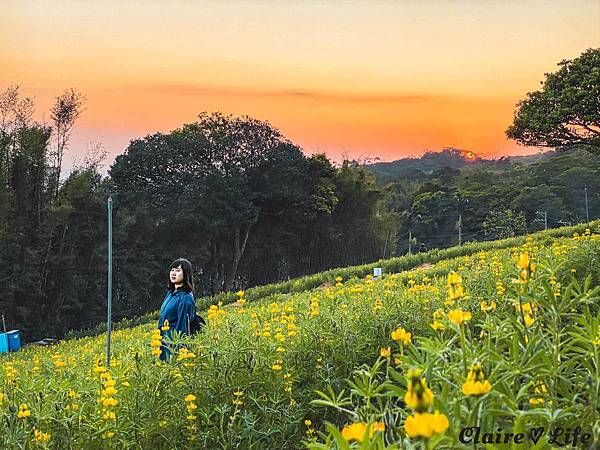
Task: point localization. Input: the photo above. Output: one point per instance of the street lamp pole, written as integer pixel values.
(109, 292)
(587, 210)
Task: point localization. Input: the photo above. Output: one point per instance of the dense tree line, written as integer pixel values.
(233, 195)
(490, 199)
(240, 201)
(51, 233)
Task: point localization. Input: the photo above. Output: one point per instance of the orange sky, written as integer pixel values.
(373, 78)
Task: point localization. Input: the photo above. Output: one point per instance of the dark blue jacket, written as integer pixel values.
(179, 308)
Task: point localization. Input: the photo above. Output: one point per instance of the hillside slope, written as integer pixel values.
(248, 381)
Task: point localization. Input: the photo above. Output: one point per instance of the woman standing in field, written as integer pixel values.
(178, 308)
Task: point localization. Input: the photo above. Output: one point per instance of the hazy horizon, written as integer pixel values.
(379, 79)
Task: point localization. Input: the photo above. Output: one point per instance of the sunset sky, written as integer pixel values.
(383, 79)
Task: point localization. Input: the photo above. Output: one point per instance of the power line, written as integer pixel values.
(419, 236)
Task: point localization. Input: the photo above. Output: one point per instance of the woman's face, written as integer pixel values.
(176, 275)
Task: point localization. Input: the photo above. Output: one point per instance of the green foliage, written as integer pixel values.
(251, 394)
(543, 373)
(308, 282)
(229, 193)
(501, 224)
(566, 111)
(427, 210)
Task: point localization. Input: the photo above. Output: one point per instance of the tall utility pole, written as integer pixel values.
(109, 293)
(543, 218)
(387, 236)
(459, 229)
(587, 210)
(411, 221)
(461, 202)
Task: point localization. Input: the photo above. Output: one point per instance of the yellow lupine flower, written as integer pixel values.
(527, 268)
(528, 320)
(437, 325)
(156, 342)
(110, 401)
(385, 352)
(41, 437)
(190, 398)
(486, 307)
(476, 383)
(539, 389)
(459, 316)
(454, 278)
(109, 391)
(377, 305)
(376, 426)
(524, 261)
(418, 396)
(401, 335)
(109, 415)
(438, 314)
(184, 353)
(526, 308)
(425, 424)
(356, 431)
(23, 411)
(455, 287)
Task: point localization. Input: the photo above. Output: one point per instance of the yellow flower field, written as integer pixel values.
(505, 339)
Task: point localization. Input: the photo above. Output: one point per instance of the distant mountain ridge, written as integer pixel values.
(430, 161)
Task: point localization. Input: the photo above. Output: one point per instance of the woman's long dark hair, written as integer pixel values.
(188, 275)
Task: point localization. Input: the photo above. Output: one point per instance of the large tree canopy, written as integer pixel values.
(223, 189)
(566, 111)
